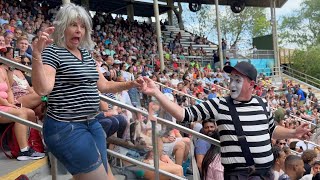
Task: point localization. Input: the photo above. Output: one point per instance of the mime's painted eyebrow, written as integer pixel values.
(235, 76)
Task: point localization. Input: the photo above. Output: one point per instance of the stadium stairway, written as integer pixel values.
(185, 40)
(304, 85)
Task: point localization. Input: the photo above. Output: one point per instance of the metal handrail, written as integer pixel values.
(161, 120)
(303, 74)
(54, 161)
(292, 72)
(299, 72)
(293, 151)
(21, 121)
(296, 117)
(299, 118)
(310, 142)
(141, 164)
(15, 64)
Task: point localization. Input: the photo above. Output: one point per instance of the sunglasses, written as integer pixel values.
(282, 143)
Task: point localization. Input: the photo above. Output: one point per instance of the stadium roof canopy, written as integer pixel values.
(142, 9)
(253, 3)
(145, 9)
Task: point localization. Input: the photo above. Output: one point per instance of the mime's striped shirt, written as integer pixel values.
(256, 125)
(75, 93)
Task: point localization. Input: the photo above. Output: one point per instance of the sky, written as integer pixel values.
(287, 8)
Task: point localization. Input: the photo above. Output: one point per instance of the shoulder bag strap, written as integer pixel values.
(241, 136)
(263, 106)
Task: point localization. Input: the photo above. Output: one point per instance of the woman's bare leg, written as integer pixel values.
(20, 130)
(97, 174)
(110, 174)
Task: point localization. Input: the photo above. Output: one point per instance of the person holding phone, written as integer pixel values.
(66, 72)
(22, 46)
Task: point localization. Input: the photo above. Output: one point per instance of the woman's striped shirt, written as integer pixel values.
(75, 94)
(256, 125)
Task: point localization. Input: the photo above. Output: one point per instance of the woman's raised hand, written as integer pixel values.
(44, 41)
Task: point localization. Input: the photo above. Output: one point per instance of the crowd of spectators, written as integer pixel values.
(126, 50)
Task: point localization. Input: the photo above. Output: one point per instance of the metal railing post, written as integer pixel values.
(156, 154)
(54, 167)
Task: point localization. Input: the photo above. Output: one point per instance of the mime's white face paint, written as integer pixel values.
(236, 83)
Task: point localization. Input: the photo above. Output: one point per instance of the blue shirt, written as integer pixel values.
(212, 95)
(201, 147)
(300, 92)
(166, 90)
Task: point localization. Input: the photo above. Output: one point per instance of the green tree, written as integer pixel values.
(200, 22)
(251, 22)
(302, 27)
(306, 61)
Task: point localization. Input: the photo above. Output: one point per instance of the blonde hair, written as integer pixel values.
(22, 38)
(65, 16)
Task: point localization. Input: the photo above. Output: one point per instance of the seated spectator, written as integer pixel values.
(281, 143)
(2, 42)
(201, 146)
(8, 105)
(110, 119)
(211, 166)
(279, 158)
(22, 45)
(165, 163)
(294, 169)
(315, 171)
(175, 147)
(23, 93)
(17, 34)
(34, 40)
(279, 114)
(309, 157)
(8, 39)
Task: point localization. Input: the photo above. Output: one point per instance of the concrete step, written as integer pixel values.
(206, 48)
(183, 33)
(182, 40)
(184, 43)
(34, 169)
(60, 177)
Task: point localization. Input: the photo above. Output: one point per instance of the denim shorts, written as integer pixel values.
(79, 146)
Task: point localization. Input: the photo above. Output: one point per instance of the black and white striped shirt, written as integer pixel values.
(257, 127)
(75, 93)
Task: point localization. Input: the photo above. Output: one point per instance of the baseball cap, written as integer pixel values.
(117, 62)
(244, 68)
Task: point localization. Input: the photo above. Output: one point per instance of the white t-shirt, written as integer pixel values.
(307, 177)
(175, 82)
(277, 174)
(304, 145)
